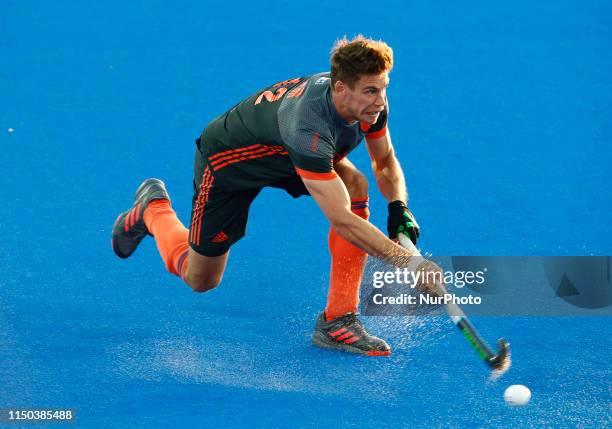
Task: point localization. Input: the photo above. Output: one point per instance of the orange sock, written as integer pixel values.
(170, 235)
(347, 267)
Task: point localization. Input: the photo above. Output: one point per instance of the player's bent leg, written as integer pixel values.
(204, 273)
(152, 214)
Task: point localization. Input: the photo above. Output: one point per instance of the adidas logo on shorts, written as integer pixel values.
(220, 237)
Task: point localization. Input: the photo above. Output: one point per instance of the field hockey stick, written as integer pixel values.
(499, 361)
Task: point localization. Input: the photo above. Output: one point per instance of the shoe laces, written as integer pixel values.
(351, 320)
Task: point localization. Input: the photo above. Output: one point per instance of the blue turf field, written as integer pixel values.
(500, 115)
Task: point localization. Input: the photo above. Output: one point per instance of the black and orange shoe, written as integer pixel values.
(129, 228)
(347, 333)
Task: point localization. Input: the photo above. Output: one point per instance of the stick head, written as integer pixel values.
(500, 363)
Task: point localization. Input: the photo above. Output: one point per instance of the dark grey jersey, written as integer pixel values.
(289, 128)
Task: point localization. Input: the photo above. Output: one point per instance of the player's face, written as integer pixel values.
(367, 98)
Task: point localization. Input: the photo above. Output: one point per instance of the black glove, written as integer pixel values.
(401, 220)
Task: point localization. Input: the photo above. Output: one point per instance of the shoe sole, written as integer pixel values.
(320, 340)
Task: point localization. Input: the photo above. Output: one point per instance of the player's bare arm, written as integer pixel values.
(332, 197)
(387, 170)
(392, 184)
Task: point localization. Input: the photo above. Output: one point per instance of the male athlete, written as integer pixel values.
(294, 135)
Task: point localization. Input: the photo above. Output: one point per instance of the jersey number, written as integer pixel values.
(275, 96)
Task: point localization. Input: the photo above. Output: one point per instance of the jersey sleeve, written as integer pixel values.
(379, 128)
(312, 152)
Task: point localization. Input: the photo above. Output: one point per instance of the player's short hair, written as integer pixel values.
(350, 59)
